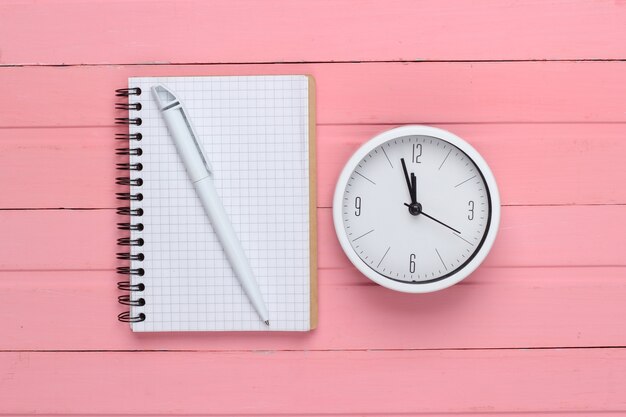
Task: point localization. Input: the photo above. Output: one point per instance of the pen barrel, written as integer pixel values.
(187, 146)
(230, 243)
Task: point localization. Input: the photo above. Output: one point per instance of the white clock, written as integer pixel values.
(416, 209)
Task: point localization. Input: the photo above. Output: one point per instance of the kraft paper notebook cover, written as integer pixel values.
(259, 135)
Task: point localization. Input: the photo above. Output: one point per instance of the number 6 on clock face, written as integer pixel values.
(416, 209)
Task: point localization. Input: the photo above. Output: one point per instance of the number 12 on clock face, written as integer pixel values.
(416, 209)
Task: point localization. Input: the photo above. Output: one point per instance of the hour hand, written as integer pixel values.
(409, 183)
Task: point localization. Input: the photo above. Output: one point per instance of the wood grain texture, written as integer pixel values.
(528, 236)
(535, 164)
(357, 93)
(494, 308)
(285, 31)
(236, 383)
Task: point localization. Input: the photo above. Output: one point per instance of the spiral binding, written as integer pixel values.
(129, 196)
(128, 106)
(125, 270)
(126, 300)
(127, 318)
(129, 167)
(137, 182)
(125, 92)
(130, 257)
(128, 151)
(128, 121)
(126, 211)
(128, 136)
(130, 226)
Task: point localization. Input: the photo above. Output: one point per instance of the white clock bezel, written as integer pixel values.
(480, 163)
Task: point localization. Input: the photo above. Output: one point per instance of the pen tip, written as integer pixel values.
(267, 322)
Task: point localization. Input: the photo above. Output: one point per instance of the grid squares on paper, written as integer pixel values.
(254, 131)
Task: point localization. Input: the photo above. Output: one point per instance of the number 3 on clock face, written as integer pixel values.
(416, 209)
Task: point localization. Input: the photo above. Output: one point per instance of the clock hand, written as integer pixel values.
(413, 188)
(441, 223)
(432, 218)
(408, 182)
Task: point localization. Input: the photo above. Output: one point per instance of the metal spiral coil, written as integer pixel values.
(127, 318)
(128, 106)
(127, 286)
(128, 121)
(129, 181)
(127, 256)
(129, 151)
(129, 136)
(127, 300)
(129, 196)
(127, 211)
(130, 226)
(126, 241)
(125, 270)
(135, 182)
(125, 92)
(129, 167)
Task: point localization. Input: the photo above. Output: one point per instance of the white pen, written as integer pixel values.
(201, 175)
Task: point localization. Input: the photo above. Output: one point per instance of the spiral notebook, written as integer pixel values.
(259, 134)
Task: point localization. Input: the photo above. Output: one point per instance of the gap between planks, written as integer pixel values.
(319, 207)
(373, 61)
(422, 122)
(347, 350)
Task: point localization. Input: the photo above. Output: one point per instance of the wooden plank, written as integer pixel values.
(372, 93)
(59, 167)
(59, 239)
(309, 31)
(534, 164)
(528, 236)
(495, 308)
(288, 383)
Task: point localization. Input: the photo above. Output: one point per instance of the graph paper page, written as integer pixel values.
(255, 133)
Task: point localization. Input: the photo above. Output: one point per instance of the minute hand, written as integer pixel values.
(438, 221)
(441, 223)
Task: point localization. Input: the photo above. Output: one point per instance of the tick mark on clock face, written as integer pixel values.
(358, 173)
(445, 159)
(459, 236)
(381, 259)
(463, 182)
(363, 235)
(441, 259)
(388, 160)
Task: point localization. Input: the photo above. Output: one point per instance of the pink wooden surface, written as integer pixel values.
(405, 382)
(537, 87)
(352, 93)
(284, 31)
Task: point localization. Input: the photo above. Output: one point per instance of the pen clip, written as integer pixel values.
(167, 101)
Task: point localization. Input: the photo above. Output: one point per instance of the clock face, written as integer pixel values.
(413, 209)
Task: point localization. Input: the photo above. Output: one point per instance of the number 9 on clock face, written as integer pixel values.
(416, 209)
